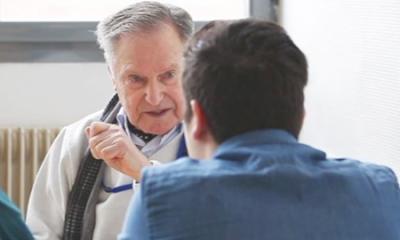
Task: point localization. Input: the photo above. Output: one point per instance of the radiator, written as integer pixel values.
(22, 150)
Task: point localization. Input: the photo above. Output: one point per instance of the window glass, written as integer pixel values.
(94, 10)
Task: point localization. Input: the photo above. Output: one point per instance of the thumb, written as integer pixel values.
(97, 128)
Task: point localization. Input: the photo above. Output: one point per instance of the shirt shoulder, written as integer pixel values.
(183, 175)
(175, 171)
(376, 172)
(381, 174)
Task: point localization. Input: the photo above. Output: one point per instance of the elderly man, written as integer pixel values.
(76, 196)
(244, 84)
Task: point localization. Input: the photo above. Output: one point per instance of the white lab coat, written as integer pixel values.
(48, 200)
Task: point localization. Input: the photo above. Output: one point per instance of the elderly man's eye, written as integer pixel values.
(135, 79)
(167, 76)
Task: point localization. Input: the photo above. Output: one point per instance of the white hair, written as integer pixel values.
(139, 17)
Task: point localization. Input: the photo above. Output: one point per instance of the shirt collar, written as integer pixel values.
(258, 137)
(153, 145)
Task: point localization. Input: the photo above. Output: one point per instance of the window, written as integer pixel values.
(94, 10)
(62, 31)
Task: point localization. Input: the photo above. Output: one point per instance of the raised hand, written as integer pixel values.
(110, 143)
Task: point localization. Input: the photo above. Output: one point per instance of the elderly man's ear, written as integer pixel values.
(110, 73)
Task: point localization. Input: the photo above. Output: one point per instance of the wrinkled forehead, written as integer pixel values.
(149, 51)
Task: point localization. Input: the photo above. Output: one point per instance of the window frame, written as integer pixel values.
(76, 41)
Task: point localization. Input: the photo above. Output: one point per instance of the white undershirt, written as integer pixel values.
(154, 144)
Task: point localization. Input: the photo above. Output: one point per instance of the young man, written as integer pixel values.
(76, 196)
(12, 225)
(248, 176)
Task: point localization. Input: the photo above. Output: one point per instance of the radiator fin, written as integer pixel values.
(22, 150)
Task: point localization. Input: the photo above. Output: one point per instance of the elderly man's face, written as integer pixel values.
(147, 70)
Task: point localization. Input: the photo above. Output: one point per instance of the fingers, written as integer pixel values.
(108, 134)
(96, 128)
(110, 143)
(112, 152)
(98, 144)
(115, 141)
(101, 135)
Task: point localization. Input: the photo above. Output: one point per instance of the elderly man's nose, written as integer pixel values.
(154, 94)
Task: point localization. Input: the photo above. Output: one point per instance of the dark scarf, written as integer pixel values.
(146, 137)
(80, 215)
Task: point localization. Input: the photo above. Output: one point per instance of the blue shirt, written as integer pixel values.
(11, 224)
(266, 185)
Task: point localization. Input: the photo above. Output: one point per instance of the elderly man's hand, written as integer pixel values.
(110, 143)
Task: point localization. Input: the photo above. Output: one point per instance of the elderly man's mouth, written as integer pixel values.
(159, 113)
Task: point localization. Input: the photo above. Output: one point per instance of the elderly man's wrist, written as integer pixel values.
(137, 172)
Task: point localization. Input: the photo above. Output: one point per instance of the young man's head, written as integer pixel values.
(241, 76)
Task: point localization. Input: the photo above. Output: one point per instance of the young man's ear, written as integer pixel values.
(199, 129)
(303, 116)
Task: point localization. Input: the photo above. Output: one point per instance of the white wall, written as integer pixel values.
(51, 94)
(352, 100)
